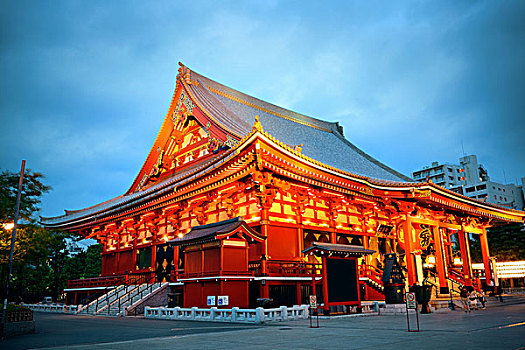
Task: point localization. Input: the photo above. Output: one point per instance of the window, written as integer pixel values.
(481, 187)
(143, 258)
(493, 187)
(451, 178)
(449, 169)
(470, 189)
(503, 190)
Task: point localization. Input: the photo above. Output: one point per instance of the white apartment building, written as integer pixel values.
(472, 180)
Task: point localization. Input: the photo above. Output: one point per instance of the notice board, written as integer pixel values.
(341, 276)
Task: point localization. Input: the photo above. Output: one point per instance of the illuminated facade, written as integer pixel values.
(243, 198)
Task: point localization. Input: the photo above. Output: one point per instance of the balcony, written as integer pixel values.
(285, 268)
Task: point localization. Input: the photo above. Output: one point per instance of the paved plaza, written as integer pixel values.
(499, 327)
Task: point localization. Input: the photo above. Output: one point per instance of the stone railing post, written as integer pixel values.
(284, 313)
(213, 311)
(234, 314)
(176, 312)
(194, 312)
(259, 315)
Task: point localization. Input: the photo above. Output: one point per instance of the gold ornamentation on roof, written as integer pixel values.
(257, 126)
(298, 148)
(185, 74)
(420, 193)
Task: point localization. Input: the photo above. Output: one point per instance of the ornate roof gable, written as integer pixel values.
(187, 137)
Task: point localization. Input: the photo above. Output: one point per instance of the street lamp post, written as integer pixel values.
(13, 237)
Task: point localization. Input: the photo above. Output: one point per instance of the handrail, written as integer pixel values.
(103, 281)
(371, 272)
(215, 273)
(451, 280)
(150, 282)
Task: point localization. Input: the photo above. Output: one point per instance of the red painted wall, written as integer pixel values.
(212, 260)
(126, 261)
(193, 262)
(283, 243)
(235, 259)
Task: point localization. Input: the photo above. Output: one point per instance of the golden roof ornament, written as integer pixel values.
(185, 74)
(298, 148)
(257, 126)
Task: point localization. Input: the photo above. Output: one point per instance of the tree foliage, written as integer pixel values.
(506, 243)
(42, 263)
(32, 190)
(38, 256)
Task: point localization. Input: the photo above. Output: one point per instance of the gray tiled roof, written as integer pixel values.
(339, 248)
(321, 140)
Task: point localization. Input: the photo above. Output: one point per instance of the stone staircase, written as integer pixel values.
(115, 302)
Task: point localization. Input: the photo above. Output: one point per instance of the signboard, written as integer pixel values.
(342, 280)
(210, 300)
(411, 300)
(313, 301)
(223, 300)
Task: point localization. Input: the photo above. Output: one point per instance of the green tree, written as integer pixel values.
(506, 243)
(37, 262)
(39, 254)
(32, 190)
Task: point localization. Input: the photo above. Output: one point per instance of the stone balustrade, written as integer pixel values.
(235, 314)
(62, 309)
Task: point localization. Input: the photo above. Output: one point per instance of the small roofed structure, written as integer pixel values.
(216, 263)
(218, 231)
(340, 274)
(331, 249)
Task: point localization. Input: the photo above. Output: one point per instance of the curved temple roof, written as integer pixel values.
(234, 112)
(321, 140)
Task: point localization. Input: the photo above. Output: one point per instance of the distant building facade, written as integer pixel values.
(471, 179)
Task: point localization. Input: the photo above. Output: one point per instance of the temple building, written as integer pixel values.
(240, 200)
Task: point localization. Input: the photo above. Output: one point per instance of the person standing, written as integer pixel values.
(481, 299)
(464, 299)
(473, 299)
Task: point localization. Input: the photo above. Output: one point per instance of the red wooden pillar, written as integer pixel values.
(440, 259)
(485, 254)
(366, 261)
(176, 262)
(134, 254)
(465, 256)
(333, 236)
(154, 249)
(265, 291)
(411, 266)
(117, 260)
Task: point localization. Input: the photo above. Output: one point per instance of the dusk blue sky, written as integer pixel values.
(85, 85)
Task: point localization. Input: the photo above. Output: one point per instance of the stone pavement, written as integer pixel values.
(501, 327)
